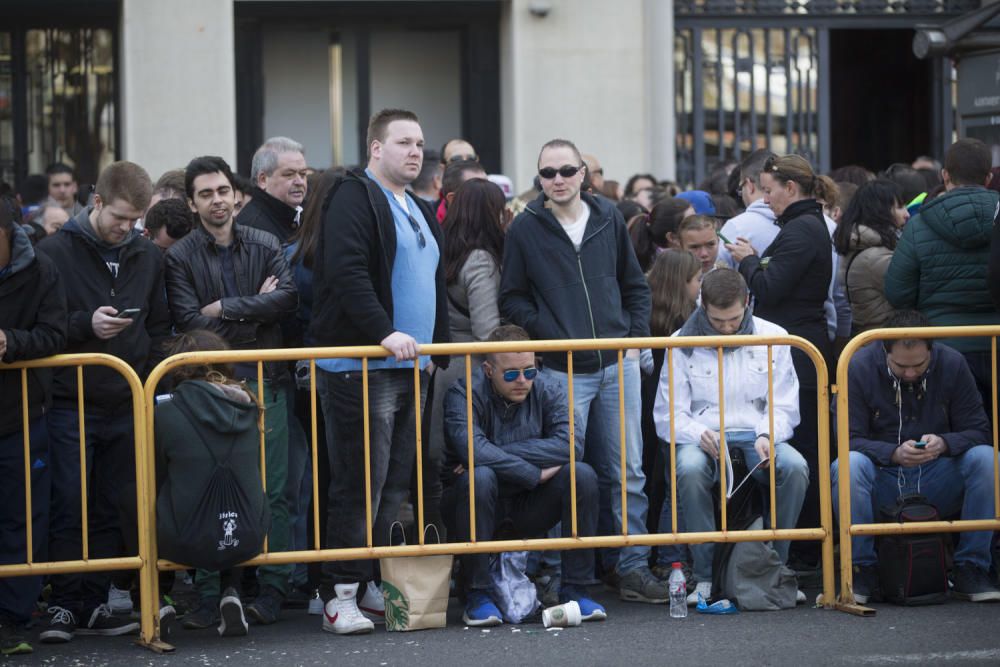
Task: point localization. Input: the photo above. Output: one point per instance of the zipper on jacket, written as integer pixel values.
(590, 310)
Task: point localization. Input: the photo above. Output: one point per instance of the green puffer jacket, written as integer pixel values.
(940, 265)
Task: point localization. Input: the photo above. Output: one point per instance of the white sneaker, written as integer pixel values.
(232, 620)
(373, 604)
(800, 597)
(341, 614)
(703, 587)
(119, 601)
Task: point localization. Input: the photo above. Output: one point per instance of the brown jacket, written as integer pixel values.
(863, 273)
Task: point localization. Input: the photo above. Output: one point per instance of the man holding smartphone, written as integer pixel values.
(107, 267)
(917, 426)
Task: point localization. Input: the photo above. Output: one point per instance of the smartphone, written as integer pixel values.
(724, 239)
(128, 313)
(920, 445)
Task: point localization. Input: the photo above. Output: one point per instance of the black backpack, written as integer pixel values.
(228, 525)
(913, 568)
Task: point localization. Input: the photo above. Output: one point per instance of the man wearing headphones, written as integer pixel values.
(917, 425)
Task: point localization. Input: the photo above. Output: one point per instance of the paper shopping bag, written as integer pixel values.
(415, 589)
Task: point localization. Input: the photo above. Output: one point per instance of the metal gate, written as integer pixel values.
(755, 73)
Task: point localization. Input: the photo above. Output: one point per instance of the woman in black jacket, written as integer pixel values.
(790, 284)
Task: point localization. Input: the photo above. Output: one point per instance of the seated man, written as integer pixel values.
(521, 450)
(917, 426)
(724, 311)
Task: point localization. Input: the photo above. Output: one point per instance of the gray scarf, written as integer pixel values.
(698, 325)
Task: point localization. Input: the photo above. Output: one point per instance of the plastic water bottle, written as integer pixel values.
(678, 592)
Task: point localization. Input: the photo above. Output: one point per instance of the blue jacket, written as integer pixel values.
(515, 440)
(945, 402)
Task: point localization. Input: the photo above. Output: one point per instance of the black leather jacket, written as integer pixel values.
(249, 321)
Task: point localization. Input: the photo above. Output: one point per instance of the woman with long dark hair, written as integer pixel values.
(656, 231)
(866, 238)
(674, 283)
(473, 250)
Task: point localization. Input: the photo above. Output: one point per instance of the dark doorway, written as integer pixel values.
(880, 99)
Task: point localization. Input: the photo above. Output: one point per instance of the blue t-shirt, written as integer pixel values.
(414, 290)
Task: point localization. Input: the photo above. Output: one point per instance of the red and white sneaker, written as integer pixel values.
(373, 603)
(341, 614)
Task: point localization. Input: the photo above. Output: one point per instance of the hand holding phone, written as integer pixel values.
(723, 237)
(920, 445)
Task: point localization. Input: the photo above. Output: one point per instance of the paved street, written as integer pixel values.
(957, 633)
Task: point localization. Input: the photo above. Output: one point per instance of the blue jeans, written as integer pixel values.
(697, 473)
(18, 594)
(110, 459)
(298, 488)
(952, 483)
(595, 395)
(670, 553)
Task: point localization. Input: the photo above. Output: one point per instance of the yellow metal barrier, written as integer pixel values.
(846, 601)
(824, 532)
(86, 563)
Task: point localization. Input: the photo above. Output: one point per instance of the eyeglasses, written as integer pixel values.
(416, 230)
(463, 158)
(566, 171)
(514, 373)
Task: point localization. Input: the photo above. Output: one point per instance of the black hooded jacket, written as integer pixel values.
(89, 284)
(33, 319)
(270, 214)
(555, 291)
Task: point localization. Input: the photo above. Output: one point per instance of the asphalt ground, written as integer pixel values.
(956, 633)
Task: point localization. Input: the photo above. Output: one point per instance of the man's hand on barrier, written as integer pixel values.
(213, 309)
(710, 443)
(908, 456)
(403, 346)
(105, 325)
(763, 447)
(548, 473)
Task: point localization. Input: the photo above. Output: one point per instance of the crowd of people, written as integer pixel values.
(419, 246)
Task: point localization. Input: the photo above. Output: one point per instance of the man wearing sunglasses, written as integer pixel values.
(569, 271)
(522, 473)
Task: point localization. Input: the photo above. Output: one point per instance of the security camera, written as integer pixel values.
(540, 8)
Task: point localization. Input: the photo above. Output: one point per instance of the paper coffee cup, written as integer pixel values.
(562, 616)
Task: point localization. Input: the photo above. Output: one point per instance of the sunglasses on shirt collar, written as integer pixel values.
(416, 230)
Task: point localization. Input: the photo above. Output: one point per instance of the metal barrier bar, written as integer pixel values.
(263, 434)
(673, 441)
(25, 425)
(623, 462)
(86, 563)
(572, 438)
(313, 419)
(722, 445)
(420, 454)
(823, 532)
(846, 600)
(770, 434)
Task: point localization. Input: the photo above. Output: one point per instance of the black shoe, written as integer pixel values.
(12, 642)
(168, 619)
(266, 607)
(61, 626)
(233, 623)
(205, 615)
(970, 582)
(297, 599)
(102, 622)
(866, 584)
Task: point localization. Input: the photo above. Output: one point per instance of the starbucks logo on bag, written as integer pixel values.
(397, 607)
(229, 524)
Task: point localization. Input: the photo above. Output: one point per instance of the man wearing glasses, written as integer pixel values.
(756, 223)
(379, 281)
(569, 271)
(521, 442)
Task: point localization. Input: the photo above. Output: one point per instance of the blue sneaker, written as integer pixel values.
(589, 610)
(480, 610)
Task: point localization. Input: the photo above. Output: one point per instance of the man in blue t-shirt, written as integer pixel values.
(380, 281)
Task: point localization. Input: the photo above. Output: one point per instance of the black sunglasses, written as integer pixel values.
(463, 158)
(566, 171)
(416, 230)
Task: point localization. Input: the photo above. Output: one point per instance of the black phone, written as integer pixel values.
(128, 313)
